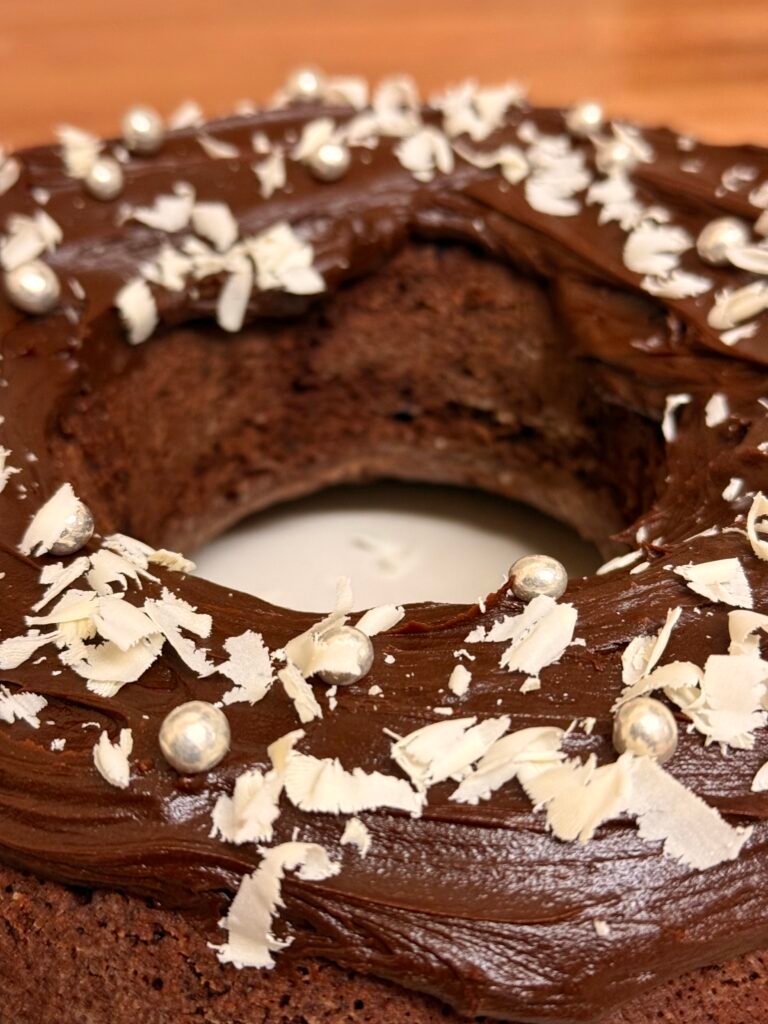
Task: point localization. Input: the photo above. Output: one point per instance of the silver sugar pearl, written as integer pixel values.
(585, 118)
(717, 237)
(105, 178)
(329, 162)
(194, 737)
(143, 130)
(76, 532)
(645, 727)
(614, 155)
(33, 287)
(533, 575)
(306, 84)
(359, 646)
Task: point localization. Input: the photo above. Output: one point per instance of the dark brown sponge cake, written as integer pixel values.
(82, 958)
(451, 324)
(445, 366)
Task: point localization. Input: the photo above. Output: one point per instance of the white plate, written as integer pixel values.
(397, 542)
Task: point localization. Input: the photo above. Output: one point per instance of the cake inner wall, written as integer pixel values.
(444, 366)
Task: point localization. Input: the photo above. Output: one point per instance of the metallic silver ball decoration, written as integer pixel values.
(645, 727)
(585, 118)
(329, 162)
(77, 531)
(143, 130)
(105, 178)
(614, 155)
(194, 737)
(33, 287)
(533, 575)
(306, 84)
(362, 648)
(717, 237)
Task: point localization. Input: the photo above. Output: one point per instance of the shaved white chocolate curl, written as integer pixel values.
(61, 527)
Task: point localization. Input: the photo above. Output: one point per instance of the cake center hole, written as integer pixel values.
(398, 543)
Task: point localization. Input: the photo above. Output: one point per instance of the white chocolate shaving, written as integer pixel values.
(446, 750)
(722, 580)
(249, 814)
(6, 471)
(217, 149)
(169, 213)
(728, 703)
(235, 294)
(379, 620)
(271, 173)
(250, 942)
(642, 654)
(106, 663)
(79, 149)
(10, 172)
(757, 511)
(27, 238)
(171, 615)
(15, 650)
(692, 832)
(669, 422)
(356, 834)
(48, 522)
(58, 577)
(760, 781)
(425, 153)
(249, 667)
(535, 749)
(742, 626)
(300, 692)
(733, 306)
(215, 223)
(619, 562)
(111, 759)
(579, 797)
(678, 284)
(188, 114)
(322, 785)
(538, 636)
(459, 680)
(283, 261)
(21, 707)
(716, 411)
(654, 249)
(138, 310)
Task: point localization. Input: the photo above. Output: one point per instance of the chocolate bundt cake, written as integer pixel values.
(547, 807)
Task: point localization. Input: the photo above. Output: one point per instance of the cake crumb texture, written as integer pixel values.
(81, 957)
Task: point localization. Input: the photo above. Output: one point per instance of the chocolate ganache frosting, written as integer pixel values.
(543, 312)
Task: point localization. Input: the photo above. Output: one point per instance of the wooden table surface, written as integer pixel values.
(701, 66)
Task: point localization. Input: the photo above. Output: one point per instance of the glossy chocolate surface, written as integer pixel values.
(478, 905)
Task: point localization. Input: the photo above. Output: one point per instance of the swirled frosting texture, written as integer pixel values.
(478, 905)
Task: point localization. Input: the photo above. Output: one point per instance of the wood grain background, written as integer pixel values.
(701, 66)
